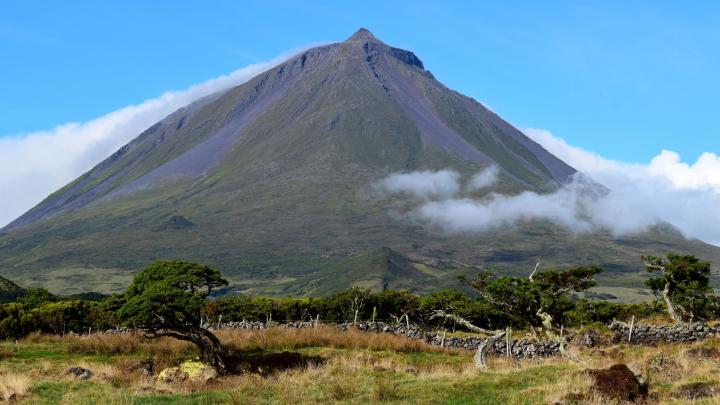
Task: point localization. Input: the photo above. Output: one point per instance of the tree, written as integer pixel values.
(683, 282)
(166, 299)
(401, 302)
(36, 297)
(539, 299)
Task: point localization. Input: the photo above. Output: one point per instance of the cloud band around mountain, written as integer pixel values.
(36, 164)
(639, 196)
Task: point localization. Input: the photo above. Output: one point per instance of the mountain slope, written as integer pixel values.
(272, 182)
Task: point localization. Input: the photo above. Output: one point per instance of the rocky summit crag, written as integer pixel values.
(272, 182)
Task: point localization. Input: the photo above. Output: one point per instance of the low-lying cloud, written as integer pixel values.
(639, 196)
(425, 184)
(36, 164)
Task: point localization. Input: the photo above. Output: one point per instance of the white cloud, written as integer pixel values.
(36, 164)
(639, 196)
(484, 179)
(426, 184)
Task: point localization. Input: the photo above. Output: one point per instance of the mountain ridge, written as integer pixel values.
(271, 181)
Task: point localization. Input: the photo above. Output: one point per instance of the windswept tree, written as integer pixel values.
(683, 281)
(166, 299)
(538, 300)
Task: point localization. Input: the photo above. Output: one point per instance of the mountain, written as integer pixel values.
(272, 182)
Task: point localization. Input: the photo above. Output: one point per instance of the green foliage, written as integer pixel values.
(524, 299)
(586, 312)
(169, 295)
(687, 280)
(167, 299)
(35, 297)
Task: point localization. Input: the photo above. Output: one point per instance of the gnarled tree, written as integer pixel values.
(684, 284)
(166, 299)
(537, 300)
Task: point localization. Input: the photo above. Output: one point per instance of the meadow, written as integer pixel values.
(340, 367)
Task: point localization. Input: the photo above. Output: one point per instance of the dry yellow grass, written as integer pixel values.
(13, 386)
(321, 336)
(237, 340)
(375, 367)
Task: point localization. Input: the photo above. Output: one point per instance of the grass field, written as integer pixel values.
(348, 367)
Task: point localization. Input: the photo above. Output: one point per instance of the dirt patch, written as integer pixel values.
(618, 382)
(696, 390)
(703, 352)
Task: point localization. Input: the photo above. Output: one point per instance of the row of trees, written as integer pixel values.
(169, 298)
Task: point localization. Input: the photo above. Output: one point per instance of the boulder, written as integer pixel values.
(191, 370)
(80, 373)
(145, 367)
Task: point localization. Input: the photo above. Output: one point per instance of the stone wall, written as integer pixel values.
(651, 334)
(518, 348)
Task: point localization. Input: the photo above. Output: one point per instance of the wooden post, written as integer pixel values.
(508, 331)
(356, 315)
(632, 326)
(407, 321)
(374, 313)
(442, 341)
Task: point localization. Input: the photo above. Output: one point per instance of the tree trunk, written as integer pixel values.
(481, 353)
(670, 307)
(211, 351)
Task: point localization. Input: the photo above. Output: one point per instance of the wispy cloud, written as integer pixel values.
(425, 184)
(36, 164)
(640, 196)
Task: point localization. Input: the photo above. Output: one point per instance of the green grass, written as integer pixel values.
(349, 376)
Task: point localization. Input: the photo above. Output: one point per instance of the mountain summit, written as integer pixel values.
(272, 182)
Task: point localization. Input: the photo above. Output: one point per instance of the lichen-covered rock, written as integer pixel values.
(80, 373)
(145, 367)
(191, 370)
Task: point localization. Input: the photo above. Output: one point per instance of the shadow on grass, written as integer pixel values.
(266, 363)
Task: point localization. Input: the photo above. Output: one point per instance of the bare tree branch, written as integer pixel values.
(481, 353)
(442, 314)
(537, 265)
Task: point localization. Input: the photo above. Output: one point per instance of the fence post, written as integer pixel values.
(632, 325)
(374, 313)
(442, 341)
(507, 341)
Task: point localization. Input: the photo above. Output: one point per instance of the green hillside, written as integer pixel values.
(273, 183)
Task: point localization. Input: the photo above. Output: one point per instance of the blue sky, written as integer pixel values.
(624, 79)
